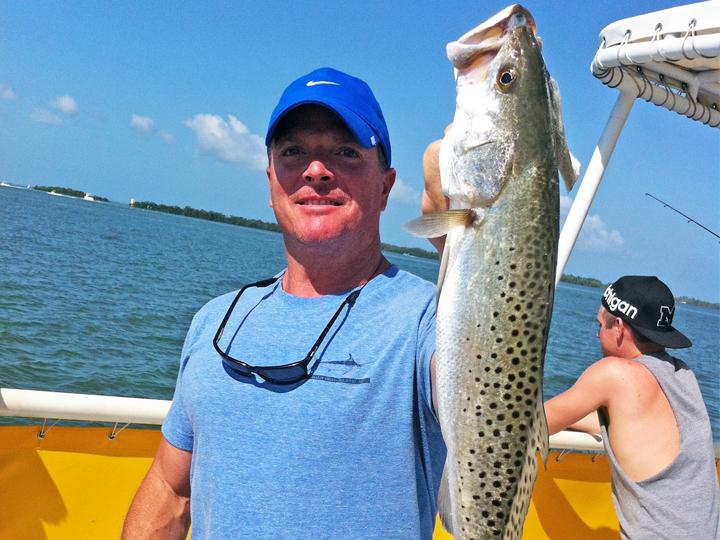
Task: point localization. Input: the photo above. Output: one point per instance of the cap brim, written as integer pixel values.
(669, 338)
(355, 123)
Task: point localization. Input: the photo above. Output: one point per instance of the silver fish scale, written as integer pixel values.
(490, 393)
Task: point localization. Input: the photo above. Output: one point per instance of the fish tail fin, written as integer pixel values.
(444, 504)
(439, 223)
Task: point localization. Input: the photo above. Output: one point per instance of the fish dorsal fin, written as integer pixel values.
(542, 438)
(444, 504)
(567, 164)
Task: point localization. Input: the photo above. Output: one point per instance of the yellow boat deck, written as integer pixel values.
(77, 483)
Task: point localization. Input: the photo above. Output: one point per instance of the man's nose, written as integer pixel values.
(317, 172)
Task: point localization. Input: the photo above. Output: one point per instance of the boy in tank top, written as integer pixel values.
(648, 407)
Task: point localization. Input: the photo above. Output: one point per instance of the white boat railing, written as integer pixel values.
(94, 408)
(87, 407)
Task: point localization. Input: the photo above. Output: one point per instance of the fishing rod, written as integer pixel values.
(684, 215)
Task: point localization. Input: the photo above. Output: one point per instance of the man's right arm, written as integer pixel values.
(161, 506)
(577, 407)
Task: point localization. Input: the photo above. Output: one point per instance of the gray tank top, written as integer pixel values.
(681, 501)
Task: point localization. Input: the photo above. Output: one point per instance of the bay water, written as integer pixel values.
(96, 298)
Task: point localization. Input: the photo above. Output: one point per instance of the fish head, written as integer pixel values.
(502, 118)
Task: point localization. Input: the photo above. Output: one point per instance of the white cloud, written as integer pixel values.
(141, 123)
(45, 117)
(404, 193)
(7, 93)
(65, 104)
(596, 236)
(167, 137)
(230, 142)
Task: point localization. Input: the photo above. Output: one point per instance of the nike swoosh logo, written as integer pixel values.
(313, 83)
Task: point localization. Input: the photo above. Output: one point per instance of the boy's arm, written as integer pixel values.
(576, 408)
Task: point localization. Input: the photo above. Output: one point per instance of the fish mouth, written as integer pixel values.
(478, 47)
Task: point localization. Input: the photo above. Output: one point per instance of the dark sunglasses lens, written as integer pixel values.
(236, 368)
(282, 374)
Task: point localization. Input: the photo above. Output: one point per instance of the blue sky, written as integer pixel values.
(169, 102)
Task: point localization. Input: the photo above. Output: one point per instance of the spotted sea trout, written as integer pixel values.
(499, 164)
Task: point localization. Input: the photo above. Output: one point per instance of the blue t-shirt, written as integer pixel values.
(355, 451)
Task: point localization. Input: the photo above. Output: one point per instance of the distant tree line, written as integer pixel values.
(69, 192)
(585, 281)
(696, 302)
(208, 215)
(591, 282)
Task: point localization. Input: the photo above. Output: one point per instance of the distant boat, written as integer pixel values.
(7, 184)
(88, 197)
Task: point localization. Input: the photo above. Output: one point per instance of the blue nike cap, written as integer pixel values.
(349, 97)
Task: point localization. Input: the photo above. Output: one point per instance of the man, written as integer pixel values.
(303, 403)
(648, 407)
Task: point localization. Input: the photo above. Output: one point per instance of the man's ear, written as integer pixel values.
(388, 182)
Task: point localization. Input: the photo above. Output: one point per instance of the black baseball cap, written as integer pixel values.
(647, 305)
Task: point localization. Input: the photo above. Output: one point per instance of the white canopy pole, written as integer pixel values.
(591, 179)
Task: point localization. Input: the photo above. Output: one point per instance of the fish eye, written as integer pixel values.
(505, 78)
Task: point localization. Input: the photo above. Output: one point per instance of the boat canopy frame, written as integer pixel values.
(670, 58)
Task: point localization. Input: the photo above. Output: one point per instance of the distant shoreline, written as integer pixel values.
(68, 192)
(274, 227)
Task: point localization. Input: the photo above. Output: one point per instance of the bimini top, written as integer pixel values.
(670, 58)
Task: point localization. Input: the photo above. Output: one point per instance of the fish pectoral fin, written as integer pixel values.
(444, 504)
(542, 438)
(567, 164)
(439, 223)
